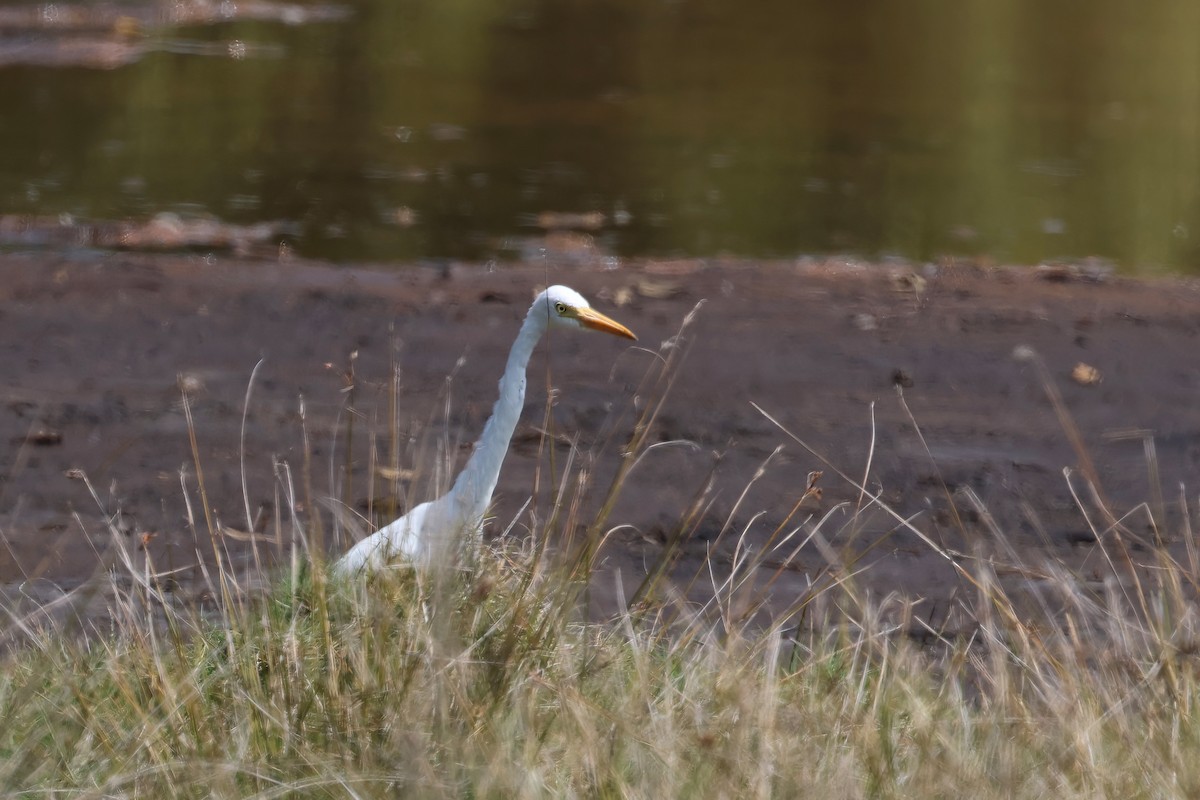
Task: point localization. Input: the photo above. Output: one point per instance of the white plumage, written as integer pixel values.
(432, 533)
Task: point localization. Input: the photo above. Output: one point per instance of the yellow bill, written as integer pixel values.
(591, 318)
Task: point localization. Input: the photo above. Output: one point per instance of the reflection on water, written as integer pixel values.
(1022, 131)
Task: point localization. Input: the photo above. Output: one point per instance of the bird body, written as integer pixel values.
(431, 534)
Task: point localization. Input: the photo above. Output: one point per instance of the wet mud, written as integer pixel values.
(925, 380)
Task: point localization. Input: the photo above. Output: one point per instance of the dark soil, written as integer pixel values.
(95, 350)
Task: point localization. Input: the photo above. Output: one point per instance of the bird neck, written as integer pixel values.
(472, 491)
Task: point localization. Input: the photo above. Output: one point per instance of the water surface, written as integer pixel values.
(1019, 131)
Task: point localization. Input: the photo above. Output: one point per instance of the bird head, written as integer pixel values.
(565, 307)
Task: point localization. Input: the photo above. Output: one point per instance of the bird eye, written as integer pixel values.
(560, 309)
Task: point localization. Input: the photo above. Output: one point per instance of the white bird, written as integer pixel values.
(431, 534)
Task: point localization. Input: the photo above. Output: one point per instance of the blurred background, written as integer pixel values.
(390, 130)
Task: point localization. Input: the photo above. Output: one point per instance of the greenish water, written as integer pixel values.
(1021, 131)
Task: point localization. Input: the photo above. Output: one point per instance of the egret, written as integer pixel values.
(430, 534)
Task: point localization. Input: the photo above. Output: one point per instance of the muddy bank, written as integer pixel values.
(94, 350)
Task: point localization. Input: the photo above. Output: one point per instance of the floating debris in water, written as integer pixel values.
(134, 18)
(95, 52)
(447, 132)
(402, 217)
(110, 36)
(165, 231)
(566, 220)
